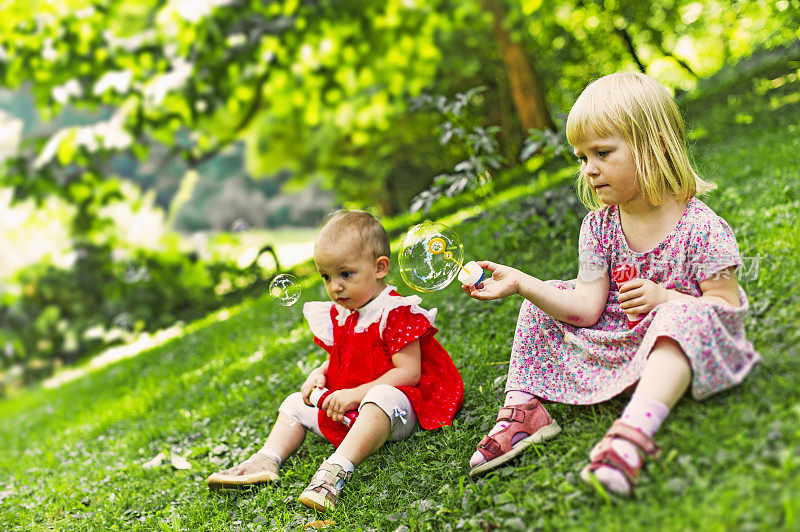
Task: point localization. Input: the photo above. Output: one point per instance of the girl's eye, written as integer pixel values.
(345, 275)
(581, 158)
(602, 153)
(326, 278)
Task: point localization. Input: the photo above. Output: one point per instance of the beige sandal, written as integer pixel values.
(322, 493)
(222, 482)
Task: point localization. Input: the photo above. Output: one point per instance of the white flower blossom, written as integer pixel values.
(119, 80)
(63, 93)
(157, 89)
(48, 52)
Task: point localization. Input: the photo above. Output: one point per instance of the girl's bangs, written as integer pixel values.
(590, 117)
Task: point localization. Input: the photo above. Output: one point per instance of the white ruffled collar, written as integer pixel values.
(317, 313)
(369, 313)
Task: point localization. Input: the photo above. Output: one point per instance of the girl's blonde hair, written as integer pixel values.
(359, 225)
(638, 108)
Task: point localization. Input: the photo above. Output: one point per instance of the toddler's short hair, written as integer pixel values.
(362, 226)
(640, 109)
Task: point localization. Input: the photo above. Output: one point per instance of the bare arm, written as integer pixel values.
(581, 307)
(406, 371)
(724, 289)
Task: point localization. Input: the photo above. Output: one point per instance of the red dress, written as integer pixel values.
(360, 345)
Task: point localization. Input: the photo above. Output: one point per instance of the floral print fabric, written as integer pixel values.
(584, 365)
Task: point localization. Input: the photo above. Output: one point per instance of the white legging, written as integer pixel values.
(395, 403)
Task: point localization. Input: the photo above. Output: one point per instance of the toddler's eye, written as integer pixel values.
(345, 275)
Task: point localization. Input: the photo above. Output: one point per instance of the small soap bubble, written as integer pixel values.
(123, 321)
(285, 289)
(134, 273)
(431, 255)
(239, 225)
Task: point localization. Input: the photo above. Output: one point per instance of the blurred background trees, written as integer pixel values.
(127, 121)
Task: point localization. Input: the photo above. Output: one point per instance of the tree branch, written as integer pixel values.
(626, 38)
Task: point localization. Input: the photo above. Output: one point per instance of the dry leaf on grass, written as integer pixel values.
(156, 461)
(319, 525)
(179, 462)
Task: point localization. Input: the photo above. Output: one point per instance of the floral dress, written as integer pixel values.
(361, 343)
(584, 365)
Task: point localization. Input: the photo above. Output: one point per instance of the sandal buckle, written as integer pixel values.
(489, 444)
(511, 413)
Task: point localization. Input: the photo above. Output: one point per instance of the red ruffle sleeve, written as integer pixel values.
(440, 391)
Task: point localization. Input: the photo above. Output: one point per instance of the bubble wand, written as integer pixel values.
(470, 273)
(621, 275)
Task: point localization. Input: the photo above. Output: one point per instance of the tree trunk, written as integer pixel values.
(526, 91)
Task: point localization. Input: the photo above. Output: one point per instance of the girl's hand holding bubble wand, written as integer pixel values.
(504, 282)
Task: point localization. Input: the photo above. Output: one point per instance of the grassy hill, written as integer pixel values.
(72, 457)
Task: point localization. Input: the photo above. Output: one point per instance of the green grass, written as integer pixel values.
(72, 457)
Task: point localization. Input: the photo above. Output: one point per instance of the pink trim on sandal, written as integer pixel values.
(604, 455)
(527, 423)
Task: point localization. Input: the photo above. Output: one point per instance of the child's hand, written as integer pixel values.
(504, 282)
(640, 296)
(339, 402)
(316, 379)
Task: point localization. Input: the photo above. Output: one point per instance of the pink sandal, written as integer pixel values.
(604, 455)
(528, 423)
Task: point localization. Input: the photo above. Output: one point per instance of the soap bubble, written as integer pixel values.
(430, 256)
(285, 289)
(239, 225)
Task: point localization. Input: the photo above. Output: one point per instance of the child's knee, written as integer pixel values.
(384, 396)
(396, 406)
(293, 408)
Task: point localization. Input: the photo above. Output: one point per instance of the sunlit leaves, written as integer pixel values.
(332, 79)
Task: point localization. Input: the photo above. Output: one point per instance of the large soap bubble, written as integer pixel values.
(285, 289)
(430, 257)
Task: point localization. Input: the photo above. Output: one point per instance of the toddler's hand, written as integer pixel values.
(340, 402)
(640, 296)
(504, 282)
(316, 379)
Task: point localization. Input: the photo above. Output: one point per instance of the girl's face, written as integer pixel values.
(607, 165)
(352, 279)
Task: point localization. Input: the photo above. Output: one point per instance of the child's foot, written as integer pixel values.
(322, 493)
(258, 469)
(618, 458)
(526, 423)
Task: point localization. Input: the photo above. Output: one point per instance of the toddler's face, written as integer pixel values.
(352, 278)
(608, 166)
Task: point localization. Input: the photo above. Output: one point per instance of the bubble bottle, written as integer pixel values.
(622, 274)
(471, 274)
(318, 396)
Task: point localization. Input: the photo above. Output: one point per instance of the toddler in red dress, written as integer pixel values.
(383, 361)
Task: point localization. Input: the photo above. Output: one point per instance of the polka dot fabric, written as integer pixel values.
(403, 327)
(360, 357)
(586, 365)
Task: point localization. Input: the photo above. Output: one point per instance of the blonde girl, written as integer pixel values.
(677, 325)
